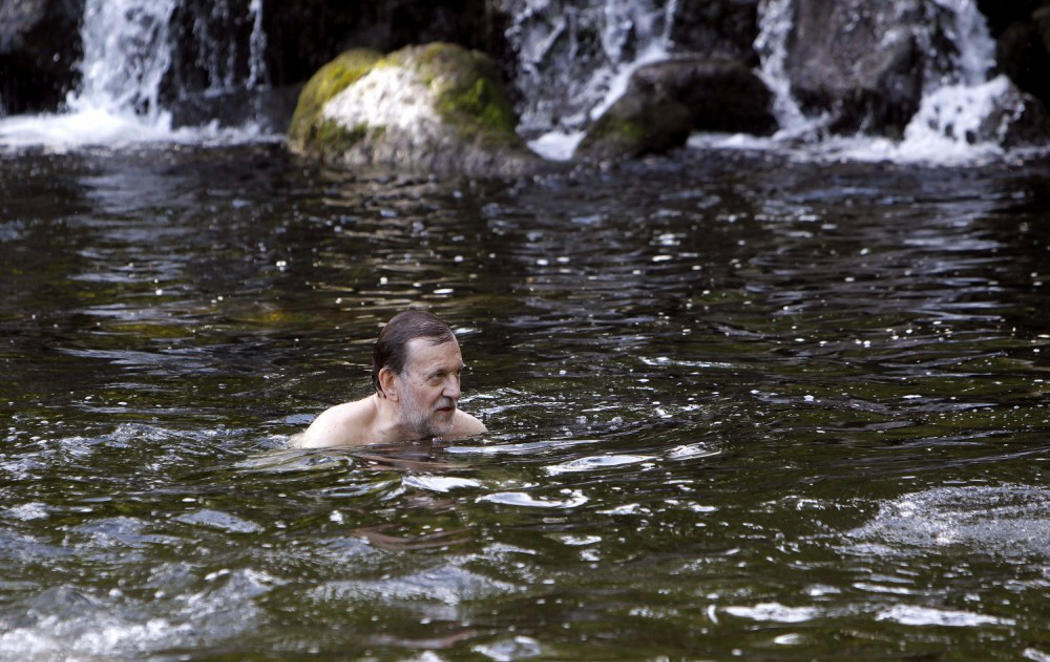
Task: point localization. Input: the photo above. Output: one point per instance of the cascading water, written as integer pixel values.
(955, 105)
(958, 99)
(219, 57)
(129, 51)
(126, 54)
(771, 45)
(575, 57)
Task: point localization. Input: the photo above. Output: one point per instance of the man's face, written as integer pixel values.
(430, 387)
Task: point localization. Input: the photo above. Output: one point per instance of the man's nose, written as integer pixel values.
(451, 389)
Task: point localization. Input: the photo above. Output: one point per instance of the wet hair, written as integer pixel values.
(391, 348)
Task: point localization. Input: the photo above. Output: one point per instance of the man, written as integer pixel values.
(416, 368)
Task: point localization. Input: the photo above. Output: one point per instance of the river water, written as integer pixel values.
(740, 405)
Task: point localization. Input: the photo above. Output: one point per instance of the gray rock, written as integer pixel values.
(666, 101)
(1017, 119)
(643, 121)
(720, 95)
(863, 61)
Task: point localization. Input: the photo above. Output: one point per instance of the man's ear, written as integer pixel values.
(388, 382)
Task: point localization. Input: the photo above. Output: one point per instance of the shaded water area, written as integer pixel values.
(739, 406)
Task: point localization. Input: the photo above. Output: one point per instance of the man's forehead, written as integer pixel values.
(425, 350)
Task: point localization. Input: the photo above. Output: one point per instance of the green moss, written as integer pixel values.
(468, 90)
(333, 138)
(618, 131)
(634, 126)
(330, 80)
(483, 101)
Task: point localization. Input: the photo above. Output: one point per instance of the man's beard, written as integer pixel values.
(417, 420)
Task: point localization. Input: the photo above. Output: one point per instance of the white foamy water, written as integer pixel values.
(127, 52)
(99, 127)
(557, 145)
(946, 130)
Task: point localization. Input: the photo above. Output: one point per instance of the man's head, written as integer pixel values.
(416, 364)
(391, 349)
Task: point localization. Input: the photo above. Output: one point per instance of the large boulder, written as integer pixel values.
(437, 108)
(666, 101)
(642, 121)
(865, 62)
(39, 48)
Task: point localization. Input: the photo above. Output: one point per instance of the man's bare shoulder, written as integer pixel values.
(466, 425)
(345, 424)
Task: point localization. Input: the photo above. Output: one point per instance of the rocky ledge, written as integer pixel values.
(437, 108)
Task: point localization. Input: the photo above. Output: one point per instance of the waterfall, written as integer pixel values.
(968, 31)
(575, 58)
(958, 98)
(127, 51)
(217, 55)
(162, 70)
(132, 49)
(956, 103)
(774, 25)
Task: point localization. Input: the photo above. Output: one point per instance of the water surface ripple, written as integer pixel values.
(739, 407)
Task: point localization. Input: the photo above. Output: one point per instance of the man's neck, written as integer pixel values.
(387, 426)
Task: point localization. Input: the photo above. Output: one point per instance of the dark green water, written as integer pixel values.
(740, 407)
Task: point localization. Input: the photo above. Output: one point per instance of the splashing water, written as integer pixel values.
(128, 51)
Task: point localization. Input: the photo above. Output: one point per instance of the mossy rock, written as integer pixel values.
(307, 126)
(436, 108)
(636, 125)
(466, 85)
